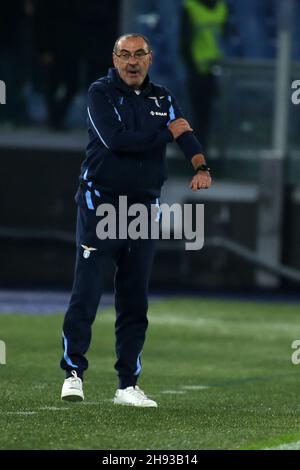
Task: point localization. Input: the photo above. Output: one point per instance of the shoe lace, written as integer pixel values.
(136, 391)
(76, 381)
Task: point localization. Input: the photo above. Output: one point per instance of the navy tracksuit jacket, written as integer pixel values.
(125, 155)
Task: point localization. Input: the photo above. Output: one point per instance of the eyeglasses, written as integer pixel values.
(138, 55)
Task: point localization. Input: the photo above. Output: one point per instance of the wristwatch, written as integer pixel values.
(202, 167)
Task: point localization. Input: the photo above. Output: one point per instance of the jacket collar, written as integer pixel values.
(117, 81)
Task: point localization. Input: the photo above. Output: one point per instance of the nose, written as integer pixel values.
(132, 60)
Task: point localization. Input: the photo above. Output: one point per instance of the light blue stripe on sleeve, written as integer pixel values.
(159, 210)
(88, 197)
(171, 110)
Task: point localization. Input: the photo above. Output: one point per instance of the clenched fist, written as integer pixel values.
(202, 180)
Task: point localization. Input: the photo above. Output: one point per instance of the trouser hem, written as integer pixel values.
(127, 381)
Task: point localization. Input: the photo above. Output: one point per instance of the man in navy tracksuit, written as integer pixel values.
(130, 121)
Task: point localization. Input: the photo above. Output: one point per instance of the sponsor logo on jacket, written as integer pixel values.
(158, 113)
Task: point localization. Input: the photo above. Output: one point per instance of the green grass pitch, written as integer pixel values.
(220, 371)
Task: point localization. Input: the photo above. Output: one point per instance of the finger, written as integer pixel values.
(201, 185)
(184, 124)
(180, 126)
(194, 186)
(180, 121)
(193, 183)
(186, 129)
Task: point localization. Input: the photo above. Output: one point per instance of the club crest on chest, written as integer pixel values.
(155, 98)
(87, 251)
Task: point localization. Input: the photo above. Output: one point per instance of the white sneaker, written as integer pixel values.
(133, 396)
(72, 388)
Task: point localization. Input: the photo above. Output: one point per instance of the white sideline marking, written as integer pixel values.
(18, 412)
(195, 387)
(225, 327)
(289, 446)
(53, 408)
(185, 388)
(165, 319)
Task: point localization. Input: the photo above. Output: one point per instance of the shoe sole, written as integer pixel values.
(135, 406)
(72, 398)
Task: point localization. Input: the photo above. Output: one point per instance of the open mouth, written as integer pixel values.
(133, 73)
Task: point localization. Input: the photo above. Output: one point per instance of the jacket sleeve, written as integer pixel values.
(188, 142)
(106, 123)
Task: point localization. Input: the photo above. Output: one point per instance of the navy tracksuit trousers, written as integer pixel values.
(133, 261)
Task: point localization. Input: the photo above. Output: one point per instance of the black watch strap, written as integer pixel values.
(202, 167)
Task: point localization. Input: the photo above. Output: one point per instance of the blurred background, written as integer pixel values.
(230, 63)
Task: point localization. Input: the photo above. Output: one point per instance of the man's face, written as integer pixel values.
(132, 70)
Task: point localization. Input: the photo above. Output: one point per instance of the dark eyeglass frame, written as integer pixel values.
(129, 55)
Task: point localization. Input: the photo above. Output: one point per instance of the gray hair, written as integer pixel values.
(132, 35)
